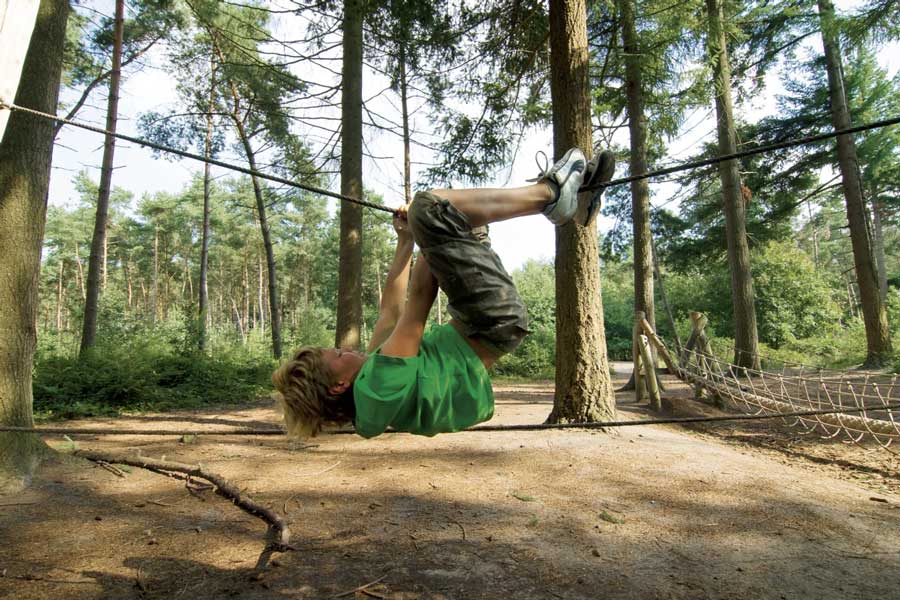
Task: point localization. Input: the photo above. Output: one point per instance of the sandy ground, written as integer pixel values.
(724, 511)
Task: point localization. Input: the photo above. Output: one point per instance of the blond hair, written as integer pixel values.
(303, 393)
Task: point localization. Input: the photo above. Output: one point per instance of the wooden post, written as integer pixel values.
(636, 356)
(695, 344)
(650, 373)
(660, 347)
(706, 348)
(698, 322)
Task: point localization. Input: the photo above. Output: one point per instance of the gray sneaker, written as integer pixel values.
(564, 178)
(599, 171)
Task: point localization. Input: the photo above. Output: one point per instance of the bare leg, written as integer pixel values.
(489, 205)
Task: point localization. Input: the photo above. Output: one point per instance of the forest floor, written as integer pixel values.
(736, 510)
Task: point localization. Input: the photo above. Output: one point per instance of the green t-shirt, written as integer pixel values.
(444, 388)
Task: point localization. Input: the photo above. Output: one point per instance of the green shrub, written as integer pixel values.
(535, 358)
(145, 370)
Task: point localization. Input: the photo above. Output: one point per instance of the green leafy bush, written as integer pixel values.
(535, 358)
(144, 370)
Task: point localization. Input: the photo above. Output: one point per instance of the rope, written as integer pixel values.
(191, 155)
(753, 151)
(317, 190)
(499, 428)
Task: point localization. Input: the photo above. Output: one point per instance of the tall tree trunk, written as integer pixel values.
(640, 190)
(104, 263)
(261, 295)
(128, 283)
(59, 296)
(404, 109)
(79, 272)
(349, 309)
(239, 322)
(878, 339)
(245, 284)
(25, 156)
(583, 387)
(880, 259)
(746, 341)
(98, 242)
(204, 244)
(188, 280)
(154, 289)
(263, 226)
(250, 154)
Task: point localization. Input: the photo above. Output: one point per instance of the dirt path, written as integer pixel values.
(649, 512)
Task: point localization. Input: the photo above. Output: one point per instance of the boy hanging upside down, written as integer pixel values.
(435, 382)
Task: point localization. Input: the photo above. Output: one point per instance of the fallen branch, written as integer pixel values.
(279, 536)
(361, 588)
(112, 469)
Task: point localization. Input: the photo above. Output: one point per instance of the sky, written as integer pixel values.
(517, 241)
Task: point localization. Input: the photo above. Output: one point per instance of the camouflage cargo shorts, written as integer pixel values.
(481, 295)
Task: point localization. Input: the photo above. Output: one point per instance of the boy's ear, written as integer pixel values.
(339, 388)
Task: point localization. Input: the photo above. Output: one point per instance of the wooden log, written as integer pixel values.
(650, 374)
(660, 347)
(636, 356)
(698, 323)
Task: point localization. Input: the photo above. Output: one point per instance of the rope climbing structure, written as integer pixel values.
(795, 388)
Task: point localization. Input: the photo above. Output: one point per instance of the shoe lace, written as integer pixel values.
(541, 157)
(543, 165)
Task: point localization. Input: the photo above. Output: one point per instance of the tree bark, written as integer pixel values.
(404, 109)
(59, 295)
(79, 272)
(263, 225)
(154, 289)
(128, 283)
(349, 308)
(746, 340)
(880, 258)
(261, 296)
(204, 244)
(878, 339)
(583, 387)
(97, 260)
(640, 190)
(25, 155)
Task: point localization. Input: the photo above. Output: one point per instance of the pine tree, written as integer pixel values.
(25, 157)
(349, 307)
(746, 341)
(878, 340)
(98, 241)
(583, 386)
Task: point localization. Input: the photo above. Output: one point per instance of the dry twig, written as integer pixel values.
(361, 588)
(112, 469)
(279, 534)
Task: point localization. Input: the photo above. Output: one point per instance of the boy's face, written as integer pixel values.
(343, 363)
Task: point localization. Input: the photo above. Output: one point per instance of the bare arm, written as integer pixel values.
(393, 297)
(404, 341)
